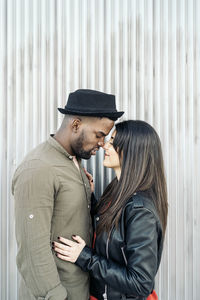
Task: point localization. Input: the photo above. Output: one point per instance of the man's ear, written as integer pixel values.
(75, 125)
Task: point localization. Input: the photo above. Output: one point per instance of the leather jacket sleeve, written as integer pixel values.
(137, 274)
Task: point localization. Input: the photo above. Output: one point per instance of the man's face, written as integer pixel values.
(91, 136)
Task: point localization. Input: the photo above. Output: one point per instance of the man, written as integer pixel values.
(52, 198)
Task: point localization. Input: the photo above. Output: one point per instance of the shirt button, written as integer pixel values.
(97, 219)
(88, 206)
(31, 216)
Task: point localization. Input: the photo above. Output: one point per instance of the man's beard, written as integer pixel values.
(78, 148)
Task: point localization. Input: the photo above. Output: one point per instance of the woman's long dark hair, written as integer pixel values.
(142, 169)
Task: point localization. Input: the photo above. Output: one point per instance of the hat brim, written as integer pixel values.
(112, 115)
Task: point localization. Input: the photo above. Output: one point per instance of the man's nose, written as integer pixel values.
(101, 143)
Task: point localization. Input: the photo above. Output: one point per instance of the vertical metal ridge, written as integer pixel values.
(189, 79)
(180, 249)
(140, 60)
(3, 141)
(196, 143)
(173, 151)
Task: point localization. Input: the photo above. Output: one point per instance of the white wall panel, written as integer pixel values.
(146, 52)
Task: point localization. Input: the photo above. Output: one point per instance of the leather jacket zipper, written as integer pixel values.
(124, 256)
(105, 296)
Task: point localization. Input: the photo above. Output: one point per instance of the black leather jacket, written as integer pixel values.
(124, 266)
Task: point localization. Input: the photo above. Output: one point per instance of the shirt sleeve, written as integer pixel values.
(34, 187)
(137, 274)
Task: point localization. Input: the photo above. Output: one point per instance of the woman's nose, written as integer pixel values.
(105, 146)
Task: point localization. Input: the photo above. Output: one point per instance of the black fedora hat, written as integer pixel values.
(86, 102)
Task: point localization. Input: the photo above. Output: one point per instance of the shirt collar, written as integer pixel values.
(58, 146)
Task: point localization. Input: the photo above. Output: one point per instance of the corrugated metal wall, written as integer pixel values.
(147, 52)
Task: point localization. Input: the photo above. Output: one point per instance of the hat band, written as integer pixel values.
(90, 111)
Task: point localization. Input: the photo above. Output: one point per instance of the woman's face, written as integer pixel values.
(111, 159)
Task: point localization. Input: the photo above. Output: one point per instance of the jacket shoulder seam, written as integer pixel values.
(137, 208)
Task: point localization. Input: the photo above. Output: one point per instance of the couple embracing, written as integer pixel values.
(70, 244)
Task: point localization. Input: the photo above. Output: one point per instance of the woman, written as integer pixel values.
(130, 219)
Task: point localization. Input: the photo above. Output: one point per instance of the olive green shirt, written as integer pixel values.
(52, 198)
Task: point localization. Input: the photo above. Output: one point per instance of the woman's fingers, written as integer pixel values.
(63, 257)
(87, 173)
(78, 239)
(89, 176)
(65, 241)
(64, 252)
(68, 243)
(67, 255)
(61, 246)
